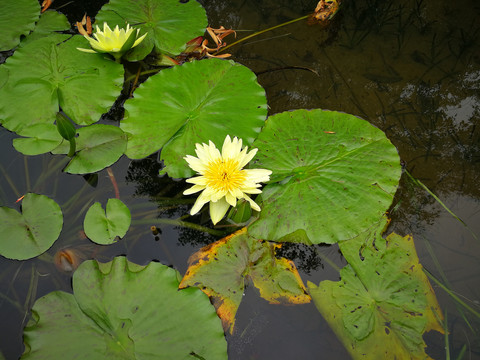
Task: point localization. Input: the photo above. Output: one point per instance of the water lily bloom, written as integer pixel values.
(116, 42)
(222, 178)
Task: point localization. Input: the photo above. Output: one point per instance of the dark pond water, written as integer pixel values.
(411, 68)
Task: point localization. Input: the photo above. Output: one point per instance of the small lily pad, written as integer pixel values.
(222, 268)
(32, 232)
(120, 310)
(98, 146)
(42, 139)
(103, 227)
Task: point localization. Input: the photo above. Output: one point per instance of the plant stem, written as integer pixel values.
(179, 223)
(261, 32)
(423, 186)
(447, 342)
(454, 297)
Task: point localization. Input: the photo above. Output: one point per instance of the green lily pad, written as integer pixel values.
(98, 146)
(17, 18)
(50, 73)
(170, 23)
(333, 176)
(32, 232)
(49, 22)
(120, 310)
(383, 303)
(193, 103)
(42, 139)
(103, 228)
(222, 268)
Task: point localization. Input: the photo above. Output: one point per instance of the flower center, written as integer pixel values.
(224, 175)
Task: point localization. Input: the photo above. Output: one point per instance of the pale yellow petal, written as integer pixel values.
(232, 200)
(215, 194)
(213, 152)
(247, 157)
(258, 175)
(87, 50)
(218, 209)
(241, 158)
(207, 153)
(238, 193)
(198, 180)
(201, 200)
(231, 148)
(253, 204)
(140, 39)
(226, 148)
(195, 164)
(194, 189)
(251, 190)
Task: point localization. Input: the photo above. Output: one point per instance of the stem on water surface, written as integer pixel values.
(152, 71)
(445, 279)
(450, 292)
(179, 223)
(423, 186)
(261, 32)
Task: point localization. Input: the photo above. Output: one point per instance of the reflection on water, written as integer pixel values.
(411, 68)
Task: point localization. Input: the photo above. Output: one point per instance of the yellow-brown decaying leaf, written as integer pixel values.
(433, 312)
(325, 10)
(221, 269)
(383, 303)
(87, 22)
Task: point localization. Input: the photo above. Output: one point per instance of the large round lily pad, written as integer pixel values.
(50, 73)
(17, 18)
(333, 176)
(193, 103)
(41, 139)
(170, 23)
(120, 310)
(30, 233)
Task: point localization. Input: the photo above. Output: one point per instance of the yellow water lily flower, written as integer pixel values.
(116, 42)
(222, 178)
